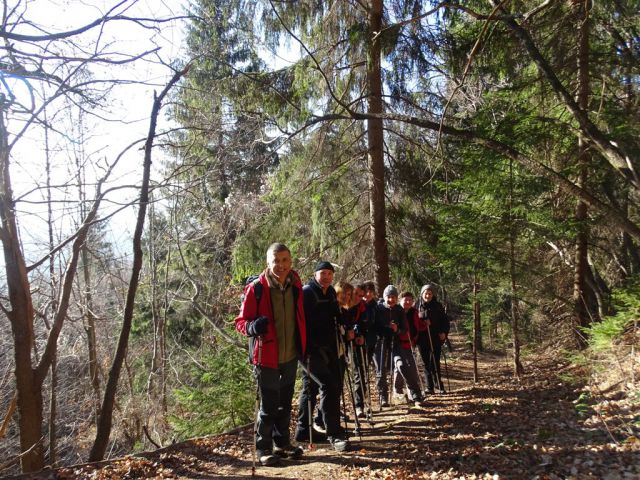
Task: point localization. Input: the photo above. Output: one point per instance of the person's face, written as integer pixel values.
(427, 295)
(407, 302)
(344, 298)
(347, 297)
(358, 294)
(279, 264)
(324, 277)
(368, 295)
(391, 300)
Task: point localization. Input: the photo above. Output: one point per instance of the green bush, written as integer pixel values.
(220, 395)
(626, 302)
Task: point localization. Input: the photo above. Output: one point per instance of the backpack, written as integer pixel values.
(257, 290)
(257, 287)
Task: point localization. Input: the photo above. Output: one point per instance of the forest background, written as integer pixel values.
(488, 148)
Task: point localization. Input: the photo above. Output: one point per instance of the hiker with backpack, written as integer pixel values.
(272, 316)
(322, 368)
(430, 340)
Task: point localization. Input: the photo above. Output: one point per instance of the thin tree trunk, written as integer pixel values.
(106, 415)
(518, 370)
(90, 330)
(375, 138)
(477, 342)
(155, 317)
(54, 304)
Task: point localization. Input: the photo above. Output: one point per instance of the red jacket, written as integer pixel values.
(414, 325)
(249, 311)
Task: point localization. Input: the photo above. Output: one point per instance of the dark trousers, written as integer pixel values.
(431, 360)
(382, 361)
(359, 353)
(406, 373)
(323, 377)
(276, 387)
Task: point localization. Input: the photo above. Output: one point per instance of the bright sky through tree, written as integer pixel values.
(97, 140)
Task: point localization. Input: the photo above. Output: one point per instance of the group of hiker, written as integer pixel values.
(334, 334)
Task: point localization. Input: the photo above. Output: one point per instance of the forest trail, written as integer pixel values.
(498, 428)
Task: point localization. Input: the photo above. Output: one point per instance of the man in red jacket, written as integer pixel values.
(272, 315)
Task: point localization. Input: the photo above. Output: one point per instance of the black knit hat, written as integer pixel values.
(324, 265)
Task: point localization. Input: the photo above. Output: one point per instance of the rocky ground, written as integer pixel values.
(545, 426)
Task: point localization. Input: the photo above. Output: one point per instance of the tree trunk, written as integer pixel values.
(155, 317)
(21, 318)
(106, 414)
(375, 139)
(582, 293)
(90, 330)
(515, 317)
(54, 303)
(477, 341)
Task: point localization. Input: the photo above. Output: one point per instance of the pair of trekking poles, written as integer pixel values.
(434, 371)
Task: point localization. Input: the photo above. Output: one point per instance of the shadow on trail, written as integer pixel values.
(502, 428)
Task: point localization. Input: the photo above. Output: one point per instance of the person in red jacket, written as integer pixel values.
(272, 315)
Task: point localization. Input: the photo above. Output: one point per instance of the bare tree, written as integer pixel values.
(59, 62)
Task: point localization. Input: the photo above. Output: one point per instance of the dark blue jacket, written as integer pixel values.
(322, 315)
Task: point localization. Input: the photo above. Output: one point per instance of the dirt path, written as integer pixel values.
(497, 428)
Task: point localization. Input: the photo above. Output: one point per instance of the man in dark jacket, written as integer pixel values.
(322, 365)
(272, 315)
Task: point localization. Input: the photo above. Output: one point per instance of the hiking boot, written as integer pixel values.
(360, 412)
(267, 458)
(289, 451)
(383, 401)
(419, 402)
(339, 444)
(303, 436)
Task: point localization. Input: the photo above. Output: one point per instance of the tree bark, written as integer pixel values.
(515, 316)
(477, 339)
(582, 293)
(375, 138)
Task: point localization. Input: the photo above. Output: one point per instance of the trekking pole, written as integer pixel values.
(367, 384)
(341, 372)
(364, 377)
(357, 430)
(344, 405)
(257, 407)
(434, 371)
(446, 370)
(415, 363)
(309, 380)
(390, 386)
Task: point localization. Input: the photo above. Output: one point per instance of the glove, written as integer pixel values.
(258, 327)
